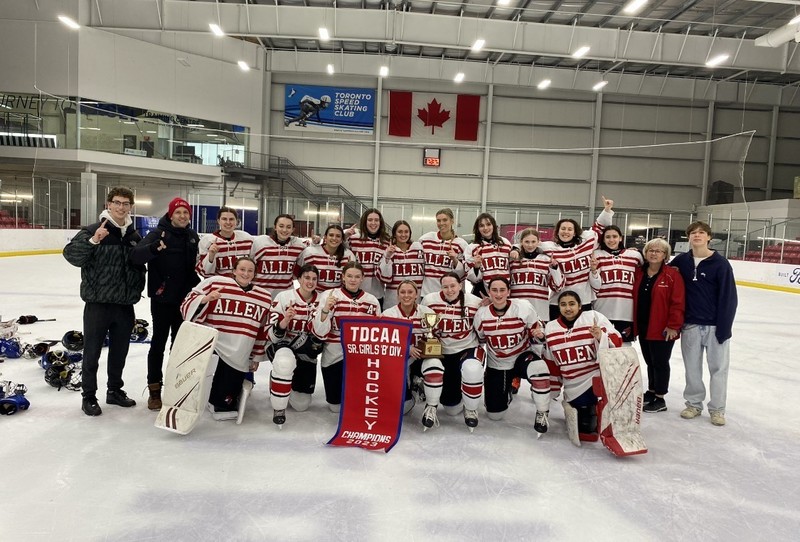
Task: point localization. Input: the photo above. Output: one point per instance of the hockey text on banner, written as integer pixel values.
(375, 358)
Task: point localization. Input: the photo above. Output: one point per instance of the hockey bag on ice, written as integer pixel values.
(619, 395)
(187, 379)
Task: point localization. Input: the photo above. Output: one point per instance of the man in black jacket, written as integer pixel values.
(110, 285)
(170, 252)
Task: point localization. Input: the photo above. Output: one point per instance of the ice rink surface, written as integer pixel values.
(66, 476)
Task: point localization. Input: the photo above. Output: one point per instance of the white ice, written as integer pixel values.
(66, 476)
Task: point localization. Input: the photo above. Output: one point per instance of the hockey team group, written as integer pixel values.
(540, 311)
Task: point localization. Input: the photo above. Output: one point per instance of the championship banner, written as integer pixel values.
(374, 383)
(329, 109)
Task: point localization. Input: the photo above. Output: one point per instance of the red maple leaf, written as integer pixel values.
(433, 115)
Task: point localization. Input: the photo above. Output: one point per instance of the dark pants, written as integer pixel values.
(226, 387)
(167, 320)
(304, 379)
(333, 378)
(497, 384)
(100, 319)
(656, 355)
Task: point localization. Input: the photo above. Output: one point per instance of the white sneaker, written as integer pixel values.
(718, 417)
(690, 412)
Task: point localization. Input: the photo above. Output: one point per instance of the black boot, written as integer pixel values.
(119, 397)
(90, 407)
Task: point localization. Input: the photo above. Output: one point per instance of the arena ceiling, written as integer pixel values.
(674, 38)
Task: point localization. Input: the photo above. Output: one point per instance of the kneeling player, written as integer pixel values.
(507, 326)
(349, 300)
(240, 311)
(294, 349)
(462, 361)
(572, 341)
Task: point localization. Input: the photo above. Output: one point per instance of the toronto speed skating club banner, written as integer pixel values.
(329, 109)
(375, 359)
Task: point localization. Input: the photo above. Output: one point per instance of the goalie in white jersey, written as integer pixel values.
(294, 348)
(462, 359)
(507, 328)
(572, 341)
(349, 300)
(240, 311)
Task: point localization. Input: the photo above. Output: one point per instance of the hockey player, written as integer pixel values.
(348, 300)
(294, 348)
(487, 256)
(328, 258)
(444, 252)
(611, 278)
(403, 260)
(220, 250)
(506, 327)
(534, 274)
(429, 369)
(572, 341)
(462, 360)
(240, 311)
(276, 256)
(369, 242)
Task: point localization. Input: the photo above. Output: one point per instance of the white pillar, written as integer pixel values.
(89, 209)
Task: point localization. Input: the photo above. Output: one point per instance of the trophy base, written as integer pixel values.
(431, 349)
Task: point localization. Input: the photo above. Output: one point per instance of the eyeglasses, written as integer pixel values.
(656, 250)
(118, 203)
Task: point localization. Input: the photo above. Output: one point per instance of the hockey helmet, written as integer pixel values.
(139, 333)
(325, 99)
(10, 348)
(73, 340)
(58, 357)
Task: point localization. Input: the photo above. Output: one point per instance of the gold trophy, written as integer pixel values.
(431, 348)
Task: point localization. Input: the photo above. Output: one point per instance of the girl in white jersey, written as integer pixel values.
(328, 258)
(219, 251)
(572, 341)
(534, 274)
(487, 256)
(444, 252)
(612, 270)
(349, 300)
(431, 370)
(240, 311)
(368, 242)
(462, 360)
(294, 348)
(403, 260)
(507, 327)
(276, 256)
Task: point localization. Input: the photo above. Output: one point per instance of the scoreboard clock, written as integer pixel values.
(431, 157)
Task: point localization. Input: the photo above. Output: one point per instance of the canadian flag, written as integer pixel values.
(427, 116)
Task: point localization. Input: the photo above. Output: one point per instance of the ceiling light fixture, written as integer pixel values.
(795, 20)
(581, 52)
(599, 85)
(459, 77)
(384, 71)
(69, 22)
(717, 60)
(543, 84)
(216, 29)
(503, 2)
(478, 45)
(243, 66)
(330, 69)
(634, 6)
(323, 34)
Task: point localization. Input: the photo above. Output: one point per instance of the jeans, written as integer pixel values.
(694, 340)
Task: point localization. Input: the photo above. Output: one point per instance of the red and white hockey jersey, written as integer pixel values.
(533, 279)
(437, 259)
(240, 244)
(330, 270)
(369, 253)
(575, 262)
(400, 266)
(304, 314)
(454, 330)
(494, 264)
(240, 316)
(613, 284)
(275, 262)
(508, 335)
(574, 350)
(346, 306)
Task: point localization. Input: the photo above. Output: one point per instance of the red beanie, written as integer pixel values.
(177, 202)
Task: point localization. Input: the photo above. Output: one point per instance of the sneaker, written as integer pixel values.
(541, 422)
(429, 417)
(90, 407)
(718, 418)
(119, 397)
(471, 419)
(656, 405)
(222, 415)
(154, 401)
(649, 397)
(279, 417)
(690, 412)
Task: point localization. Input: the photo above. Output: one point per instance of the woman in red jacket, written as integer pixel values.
(658, 306)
